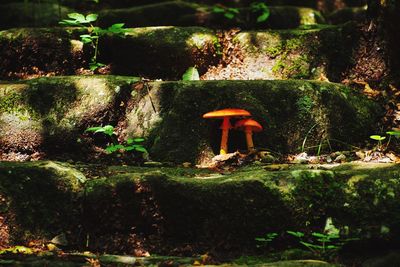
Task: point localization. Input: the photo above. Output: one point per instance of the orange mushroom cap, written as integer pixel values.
(228, 112)
(249, 123)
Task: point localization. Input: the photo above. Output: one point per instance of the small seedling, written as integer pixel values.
(320, 244)
(262, 9)
(228, 12)
(93, 33)
(379, 139)
(268, 238)
(132, 144)
(107, 130)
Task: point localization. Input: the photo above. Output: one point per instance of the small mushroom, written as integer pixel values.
(249, 126)
(225, 114)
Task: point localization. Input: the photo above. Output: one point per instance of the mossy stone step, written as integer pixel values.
(165, 13)
(166, 52)
(179, 13)
(121, 205)
(50, 115)
(31, 14)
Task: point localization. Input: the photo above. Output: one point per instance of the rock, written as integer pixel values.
(127, 201)
(60, 239)
(276, 167)
(301, 158)
(40, 200)
(158, 14)
(340, 158)
(347, 14)
(167, 52)
(390, 259)
(49, 115)
(305, 53)
(181, 13)
(360, 154)
(31, 14)
(43, 51)
(153, 164)
(266, 157)
(59, 51)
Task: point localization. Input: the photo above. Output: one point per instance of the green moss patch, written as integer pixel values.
(286, 109)
(117, 207)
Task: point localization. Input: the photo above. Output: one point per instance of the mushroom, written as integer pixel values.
(226, 114)
(249, 126)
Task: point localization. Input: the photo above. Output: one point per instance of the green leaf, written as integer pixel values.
(191, 74)
(395, 133)
(95, 65)
(117, 28)
(85, 36)
(229, 15)
(263, 17)
(109, 130)
(217, 9)
(130, 141)
(77, 16)
(260, 239)
(91, 17)
(114, 148)
(233, 10)
(296, 234)
(141, 149)
(332, 247)
(319, 235)
(377, 137)
(93, 129)
(68, 22)
(86, 40)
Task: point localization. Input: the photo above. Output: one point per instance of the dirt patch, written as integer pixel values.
(369, 56)
(234, 65)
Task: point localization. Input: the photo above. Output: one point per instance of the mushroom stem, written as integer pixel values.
(225, 126)
(249, 139)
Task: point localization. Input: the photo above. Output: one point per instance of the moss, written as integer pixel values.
(302, 53)
(41, 199)
(30, 14)
(285, 108)
(173, 50)
(53, 112)
(186, 208)
(158, 14)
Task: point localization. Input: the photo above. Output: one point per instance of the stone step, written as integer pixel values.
(118, 207)
(166, 52)
(49, 115)
(176, 13)
(180, 13)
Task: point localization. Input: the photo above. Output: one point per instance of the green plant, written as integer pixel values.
(191, 74)
(323, 244)
(131, 144)
(93, 33)
(380, 146)
(320, 244)
(261, 9)
(228, 12)
(392, 133)
(379, 139)
(268, 238)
